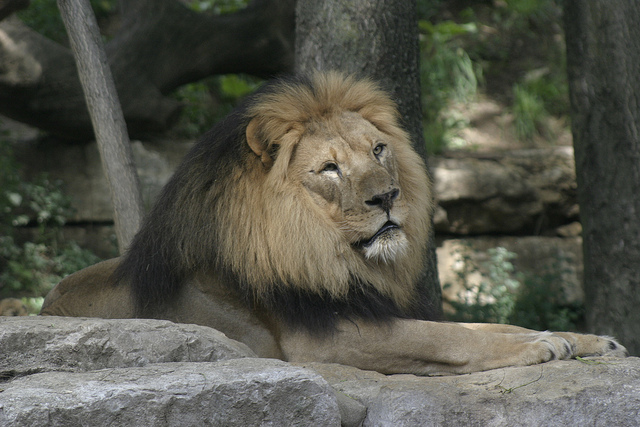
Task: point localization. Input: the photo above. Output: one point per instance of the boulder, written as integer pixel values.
(48, 343)
(523, 191)
(80, 170)
(241, 392)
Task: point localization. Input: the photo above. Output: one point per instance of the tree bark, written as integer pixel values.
(160, 46)
(106, 115)
(377, 39)
(603, 58)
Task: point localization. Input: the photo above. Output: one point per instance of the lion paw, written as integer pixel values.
(593, 345)
(613, 348)
(557, 347)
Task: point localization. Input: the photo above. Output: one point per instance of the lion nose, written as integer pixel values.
(384, 201)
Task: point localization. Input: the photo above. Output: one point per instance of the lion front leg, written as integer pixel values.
(581, 344)
(426, 348)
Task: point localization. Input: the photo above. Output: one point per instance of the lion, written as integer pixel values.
(299, 225)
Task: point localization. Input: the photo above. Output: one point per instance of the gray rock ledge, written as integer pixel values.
(57, 371)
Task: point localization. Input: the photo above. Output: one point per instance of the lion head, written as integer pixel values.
(309, 190)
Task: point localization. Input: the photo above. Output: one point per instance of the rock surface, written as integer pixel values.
(599, 392)
(68, 371)
(39, 344)
(523, 191)
(247, 392)
(79, 168)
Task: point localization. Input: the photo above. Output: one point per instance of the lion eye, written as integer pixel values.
(378, 149)
(330, 167)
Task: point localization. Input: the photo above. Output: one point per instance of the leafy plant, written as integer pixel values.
(494, 292)
(492, 299)
(32, 268)
(448, 75)
(529, 113)
(209, 100)
(542, 303)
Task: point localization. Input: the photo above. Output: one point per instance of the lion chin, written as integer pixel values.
(388, 244)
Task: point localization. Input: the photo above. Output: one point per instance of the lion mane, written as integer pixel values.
(241, 217)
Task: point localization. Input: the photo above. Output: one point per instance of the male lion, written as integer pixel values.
(298, 225)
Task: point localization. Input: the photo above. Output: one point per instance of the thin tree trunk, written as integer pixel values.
(378, 39)
(106, 117)
(603, 57)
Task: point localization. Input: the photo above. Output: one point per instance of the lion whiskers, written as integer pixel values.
(387, 248)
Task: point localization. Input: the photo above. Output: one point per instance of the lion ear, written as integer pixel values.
(257, 144)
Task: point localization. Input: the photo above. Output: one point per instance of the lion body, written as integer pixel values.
(303, 214)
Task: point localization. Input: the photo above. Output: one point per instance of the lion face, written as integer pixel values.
(329, 194)
(349, 170)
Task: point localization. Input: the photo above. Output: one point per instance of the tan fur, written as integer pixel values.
(12, 307)
(264, 247)
(324, 172)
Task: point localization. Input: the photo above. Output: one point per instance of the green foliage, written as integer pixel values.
(551, 87)
(448, 75)
(531, 9)
(218, 7)
(209, 100)
(235, 86)
(501, 296)
(198, 109)
(44, 16)
(428, 9)
(34, 267)
(529, 113)
(542, 304)
(493, 299)
(540, 94)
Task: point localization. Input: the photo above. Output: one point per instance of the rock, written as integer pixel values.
(600, 391)
(40, 344)
(68, 371)
(352, 412)
(247, 392)
(523, 191)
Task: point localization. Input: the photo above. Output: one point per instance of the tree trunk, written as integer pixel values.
(603, 58)
(378, 39)
(161, 45)
(106, 115)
